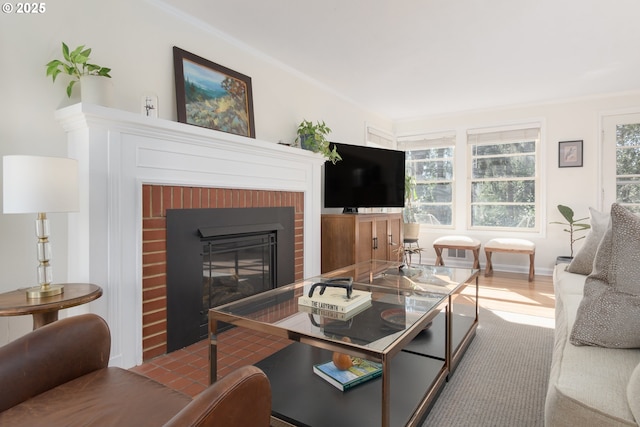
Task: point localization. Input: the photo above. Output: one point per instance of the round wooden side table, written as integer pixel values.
(45, 310)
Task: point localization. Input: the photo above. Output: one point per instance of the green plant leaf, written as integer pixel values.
(566, 212)
(53, 70)
(65, 52)
(574, 225)
(80, 59)
(70, 88)
(75, 52)
(68, 69)
(53, 73)
(54, 63)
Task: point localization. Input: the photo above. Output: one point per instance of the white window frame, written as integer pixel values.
(444, 139)
(607, 166)
(488, 136)
(375, 137)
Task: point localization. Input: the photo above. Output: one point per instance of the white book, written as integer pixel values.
(336, 315)
(335, 299)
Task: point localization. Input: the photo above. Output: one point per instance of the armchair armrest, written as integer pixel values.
(241, 398)
(52, 355)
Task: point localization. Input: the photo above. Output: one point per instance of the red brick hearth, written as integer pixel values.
(156, 200)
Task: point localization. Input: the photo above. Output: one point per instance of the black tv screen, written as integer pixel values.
(366, 177)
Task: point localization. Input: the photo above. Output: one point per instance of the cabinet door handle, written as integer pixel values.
(390, 239)
(375, 243)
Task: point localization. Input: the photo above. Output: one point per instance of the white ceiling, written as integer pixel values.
(415, 58)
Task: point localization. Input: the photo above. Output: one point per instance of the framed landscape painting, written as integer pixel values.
(212, 96)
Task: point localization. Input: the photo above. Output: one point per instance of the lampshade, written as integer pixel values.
(33, 184)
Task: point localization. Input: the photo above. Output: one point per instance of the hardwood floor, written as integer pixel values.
(512, 292)
(187, 370)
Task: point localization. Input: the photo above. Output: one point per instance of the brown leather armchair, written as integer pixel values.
(59, 375)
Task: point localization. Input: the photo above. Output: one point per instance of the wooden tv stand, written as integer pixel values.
(351, 238)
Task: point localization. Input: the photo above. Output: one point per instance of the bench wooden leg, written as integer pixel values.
(439, 260)
(476, 258)
(488, 271)
(532, 267)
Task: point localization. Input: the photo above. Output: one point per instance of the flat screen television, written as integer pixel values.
(366, 177)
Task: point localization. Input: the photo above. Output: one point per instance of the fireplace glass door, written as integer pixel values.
(235, 267)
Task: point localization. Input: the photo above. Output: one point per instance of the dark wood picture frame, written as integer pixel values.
(570, 154)
(212, 96)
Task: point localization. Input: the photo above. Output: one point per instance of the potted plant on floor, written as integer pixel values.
(574, 226)
(411, 228)
(75, 63)
(313, 137)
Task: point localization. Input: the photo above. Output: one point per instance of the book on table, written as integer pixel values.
(362, 371)
(335, 299)
(336, 315)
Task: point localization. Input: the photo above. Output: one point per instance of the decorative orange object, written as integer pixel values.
(341, 360)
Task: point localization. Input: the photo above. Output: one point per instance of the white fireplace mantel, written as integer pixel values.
(118, 152)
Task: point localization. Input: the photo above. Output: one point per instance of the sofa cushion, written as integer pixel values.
(609, 313)
(633, 392)
(107, 397)
(583, 261)
(566, 283)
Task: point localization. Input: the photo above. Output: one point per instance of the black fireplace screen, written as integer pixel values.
(215, 256)
(235, 267)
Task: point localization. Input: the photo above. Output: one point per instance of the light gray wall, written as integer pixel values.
(135, 39)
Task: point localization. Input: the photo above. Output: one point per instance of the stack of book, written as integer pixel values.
(361, 371)
(335, 299)
(335, 315)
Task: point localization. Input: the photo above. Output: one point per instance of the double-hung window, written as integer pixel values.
(621, 161)
(504, 185)
(430, 164)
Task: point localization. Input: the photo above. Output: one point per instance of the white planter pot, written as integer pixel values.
(96, 90)
(411, 230)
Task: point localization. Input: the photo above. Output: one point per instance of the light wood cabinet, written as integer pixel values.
(351, 238)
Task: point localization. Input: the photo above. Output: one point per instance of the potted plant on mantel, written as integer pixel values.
(75, 63)
(411, 228)
(574, 226)
(314, 138)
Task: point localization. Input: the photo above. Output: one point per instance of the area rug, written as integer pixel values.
(502, 379)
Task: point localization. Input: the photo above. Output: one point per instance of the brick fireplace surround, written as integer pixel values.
(156, 199)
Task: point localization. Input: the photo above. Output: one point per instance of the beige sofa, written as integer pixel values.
(588, 386)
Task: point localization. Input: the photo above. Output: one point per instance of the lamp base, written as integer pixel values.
(44, 291)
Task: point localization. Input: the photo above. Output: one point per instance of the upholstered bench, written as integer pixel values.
(515, 246)
(457, 242)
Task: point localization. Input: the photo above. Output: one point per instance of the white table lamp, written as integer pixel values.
(36, 184)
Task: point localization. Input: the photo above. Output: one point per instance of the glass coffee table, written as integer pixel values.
(418, 325)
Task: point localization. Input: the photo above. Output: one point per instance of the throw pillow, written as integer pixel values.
(582, 263)
(609, 313)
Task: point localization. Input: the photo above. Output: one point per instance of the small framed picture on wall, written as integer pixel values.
(570, 154)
